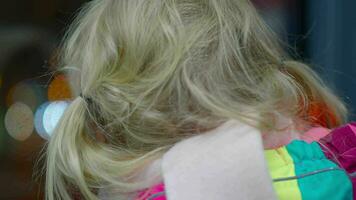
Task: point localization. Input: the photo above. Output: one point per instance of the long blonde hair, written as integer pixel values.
(153, 72)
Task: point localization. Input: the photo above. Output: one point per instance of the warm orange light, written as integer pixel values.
(59, 89)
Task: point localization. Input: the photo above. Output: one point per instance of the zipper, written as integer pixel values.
(312, 173)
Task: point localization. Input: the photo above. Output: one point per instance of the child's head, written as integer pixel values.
(152, 72)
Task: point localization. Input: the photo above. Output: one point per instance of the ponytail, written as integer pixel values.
(64, 164)
(76, 164)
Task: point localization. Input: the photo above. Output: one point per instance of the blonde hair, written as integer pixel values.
(153, 72)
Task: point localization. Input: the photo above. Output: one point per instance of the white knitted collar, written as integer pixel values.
(225, 163)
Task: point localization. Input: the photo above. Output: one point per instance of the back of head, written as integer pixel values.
(156, 71)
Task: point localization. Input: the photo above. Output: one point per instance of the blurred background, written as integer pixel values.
(33, 97)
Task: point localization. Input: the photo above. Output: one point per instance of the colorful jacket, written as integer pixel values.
(305, 170)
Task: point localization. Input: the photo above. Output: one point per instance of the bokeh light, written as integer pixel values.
(19, 121)
(59, 89)
(47, 117)
(27, 92)
(39, 121)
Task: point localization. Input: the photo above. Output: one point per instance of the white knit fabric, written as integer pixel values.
(226, 163)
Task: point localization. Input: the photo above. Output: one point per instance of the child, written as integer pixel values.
(176, 99)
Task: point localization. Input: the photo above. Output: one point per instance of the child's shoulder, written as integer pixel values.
(321, 157)
(295, 168)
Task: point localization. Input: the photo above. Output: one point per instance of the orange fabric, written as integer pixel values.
(321, 115)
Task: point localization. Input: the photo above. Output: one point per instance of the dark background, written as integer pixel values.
(322, 33)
